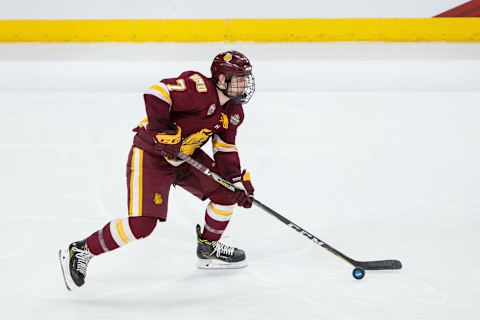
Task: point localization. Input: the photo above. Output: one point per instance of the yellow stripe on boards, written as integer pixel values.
(121, 231)
(257, 30)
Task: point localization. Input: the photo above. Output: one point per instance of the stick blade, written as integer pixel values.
(379, 265)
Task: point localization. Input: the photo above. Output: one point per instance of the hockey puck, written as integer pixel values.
(358, 273)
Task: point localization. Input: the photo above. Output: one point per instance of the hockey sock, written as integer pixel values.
(216, 220)
(119, 232)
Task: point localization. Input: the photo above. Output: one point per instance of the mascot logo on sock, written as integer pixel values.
(157, 199)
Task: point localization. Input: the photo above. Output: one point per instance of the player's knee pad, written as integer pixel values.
(142, 226)
(222, 196)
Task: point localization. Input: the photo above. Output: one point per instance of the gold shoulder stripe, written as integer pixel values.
(163, 92)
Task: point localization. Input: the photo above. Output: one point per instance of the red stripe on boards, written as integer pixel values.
(468, 9)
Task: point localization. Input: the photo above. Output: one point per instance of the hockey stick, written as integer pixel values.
(365, 265)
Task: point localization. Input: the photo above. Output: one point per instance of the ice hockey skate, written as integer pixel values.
(216, 255)
(74, 262)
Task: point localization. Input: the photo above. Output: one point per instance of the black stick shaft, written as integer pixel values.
(303, 232)
(367, 265)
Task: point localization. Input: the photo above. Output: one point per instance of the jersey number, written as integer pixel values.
(182, 86)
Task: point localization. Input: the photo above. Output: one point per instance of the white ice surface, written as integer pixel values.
(374, 148)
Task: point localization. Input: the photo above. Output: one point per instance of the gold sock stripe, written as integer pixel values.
(218, 214)
(121, 231)
(115, 234)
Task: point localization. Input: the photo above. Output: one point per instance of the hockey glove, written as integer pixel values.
(169, 142)
(244, 194)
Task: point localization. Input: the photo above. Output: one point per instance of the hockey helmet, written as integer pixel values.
(234, 64)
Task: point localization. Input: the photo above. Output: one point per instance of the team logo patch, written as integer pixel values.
(157, 199)
(227, 57)
(235, 119)
(211, 110)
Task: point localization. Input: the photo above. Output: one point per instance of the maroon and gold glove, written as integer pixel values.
(169, 142)
(244, 194)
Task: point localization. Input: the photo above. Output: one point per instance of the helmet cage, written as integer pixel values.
(247, 92)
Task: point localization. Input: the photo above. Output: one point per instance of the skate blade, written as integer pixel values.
(63, 258)
(214, 264)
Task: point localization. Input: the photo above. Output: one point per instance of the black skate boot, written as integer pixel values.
(74, 263)
(216, 255)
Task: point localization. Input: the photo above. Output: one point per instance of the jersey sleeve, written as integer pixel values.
(158, 104)
(225, 151)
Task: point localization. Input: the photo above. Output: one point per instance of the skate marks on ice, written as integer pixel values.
(316, 309)
(358, 193)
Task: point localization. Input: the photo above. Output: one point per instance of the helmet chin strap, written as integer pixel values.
(225, 91)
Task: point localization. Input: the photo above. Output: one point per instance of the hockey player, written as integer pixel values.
(182, 114)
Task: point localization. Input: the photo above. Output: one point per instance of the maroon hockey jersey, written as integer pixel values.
(191, 102)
